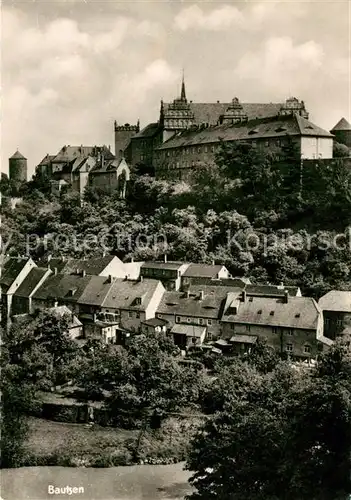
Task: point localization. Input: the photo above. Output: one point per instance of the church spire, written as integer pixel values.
(182, 94)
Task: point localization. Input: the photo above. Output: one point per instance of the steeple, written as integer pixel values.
(183, 94)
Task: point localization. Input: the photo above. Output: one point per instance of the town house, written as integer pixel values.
(336, 307)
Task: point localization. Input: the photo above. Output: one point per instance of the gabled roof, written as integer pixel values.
(70, 153)
(17, 156)
(274, 127)
(336, 300)
(202, 270)
(30, 282)
(46, 160)
(118, 294)
(93, 266)
(298, 312)
(11, 268)
(58, 263)
(162, 265)
(155, 322)
(181, 304)
(62, 287)
(271, 290)
(342, 124)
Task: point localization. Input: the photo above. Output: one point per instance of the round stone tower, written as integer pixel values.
(342, 132)
(18, 167)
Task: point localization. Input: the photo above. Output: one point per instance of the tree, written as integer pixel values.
(281, 435)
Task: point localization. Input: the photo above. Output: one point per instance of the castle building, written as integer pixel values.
(342, 132)
(18, 167)
(188, 135)
(76, 167)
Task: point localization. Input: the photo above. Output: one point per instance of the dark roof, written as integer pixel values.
(46, 160)
(202, 270)
(162, 265)
(342, 124)
(336, 300)
(17, 156)
(69, 153)
(118, 294)
(244, 339)
(11, 268)
(56, 262)
(93, 266)
(149, 131)
(61, 286)
(278, 126)
(179, 303)
(298, 312)
(31, 281)
(208, 112)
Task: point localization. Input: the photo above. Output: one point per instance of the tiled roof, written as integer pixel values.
(70, 153)
(202, 270)
(46, 160)
(17, 156)
(336, 300)
(210, 112)
(162, 265)
(149, 131)
(298, 312)
(58, 263)
(93, 266)
(178, 303)
(278, 126)
(62, 287)
(31, 281)
(120, 294)
(11, 268)
(189, 330)
(342, 124)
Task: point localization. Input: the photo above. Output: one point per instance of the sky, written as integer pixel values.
(70, 68)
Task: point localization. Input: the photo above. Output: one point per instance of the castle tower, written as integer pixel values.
(293, 106)
(123, 135)
(342, 132)
(177, 116)
(18, 167)
(234, 113)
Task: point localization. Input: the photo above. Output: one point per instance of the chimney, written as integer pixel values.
(132, 259)
(49, 258)
(188, 294)
(77, 270)
(202, 295)
(165, 258)
(213, 263)
(243, 296)
(110, 278)
(55, 271)
(55, 303)
(286, 296)
(141, 278)
(84, 273)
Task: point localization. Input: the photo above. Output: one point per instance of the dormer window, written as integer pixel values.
(138, 301)
(271, 313)
(71, 292)
(253, 131)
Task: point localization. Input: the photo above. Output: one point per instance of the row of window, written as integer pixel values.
(200, 321)
(113, 315)
(306, 348)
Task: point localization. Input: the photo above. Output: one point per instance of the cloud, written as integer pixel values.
(280, 63)
(221, 18)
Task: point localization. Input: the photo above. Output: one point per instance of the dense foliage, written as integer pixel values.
(261, 215)
(281, 435)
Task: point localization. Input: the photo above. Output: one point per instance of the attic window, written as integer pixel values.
(271, 313)
(251, 299)
(280, 129)
(253, 131)
(172, 303)
(259, 312)
(297, 315)
(72, 291)
(309, 126)
(138, 301)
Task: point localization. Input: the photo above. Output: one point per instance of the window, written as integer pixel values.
(289, 347)
(201, 321)
(209, 321)
(177, 319)
(247, 328)
(339, 322)
(290, 332)
(130, 314)
(206, 149)
(188, 320)
(159, 316)
(307, 349)
(266, 143)
(138, 314)
(274, 329)
(209, 336)
(327, 322)
(232, 326)
(278, 142)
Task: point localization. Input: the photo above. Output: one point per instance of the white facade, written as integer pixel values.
(316, 147)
